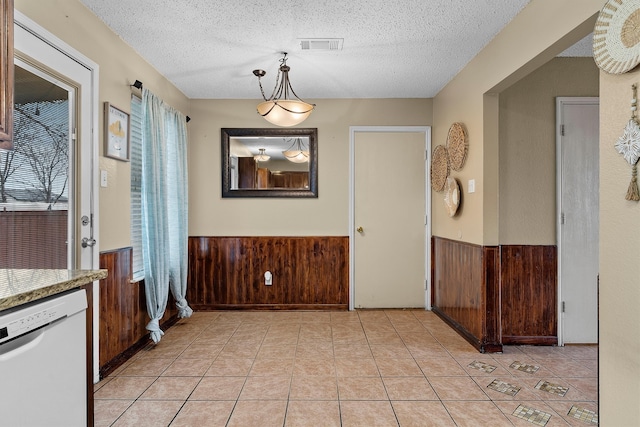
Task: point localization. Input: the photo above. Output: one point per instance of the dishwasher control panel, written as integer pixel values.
(29, 317)
(30, 322)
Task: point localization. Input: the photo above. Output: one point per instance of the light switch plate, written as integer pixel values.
(103, 178)
(472, 186)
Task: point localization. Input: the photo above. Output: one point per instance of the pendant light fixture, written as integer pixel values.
(296, 153)
(261, 156)
(279, 109)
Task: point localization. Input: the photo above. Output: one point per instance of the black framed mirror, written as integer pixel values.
(269, 162)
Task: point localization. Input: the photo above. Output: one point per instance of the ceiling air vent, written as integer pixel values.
(321, 44)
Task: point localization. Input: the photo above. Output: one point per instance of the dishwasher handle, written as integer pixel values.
(21, 345)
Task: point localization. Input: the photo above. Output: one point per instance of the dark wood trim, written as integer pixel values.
(522, 340)
(492, 332)
(118, 360)
(464, 333)
(433, 271)
(466, 290)
(123, 311)
(529, 294)
(309, 272)
(6, 74)
(314, 307)
(496, 295)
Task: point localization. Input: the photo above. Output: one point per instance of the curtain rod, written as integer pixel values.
(138, 85)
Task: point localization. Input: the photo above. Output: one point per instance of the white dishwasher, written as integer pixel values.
(43, 363)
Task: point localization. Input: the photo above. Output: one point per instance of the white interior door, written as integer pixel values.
(578, 204)
(389, 228)
(50, 61)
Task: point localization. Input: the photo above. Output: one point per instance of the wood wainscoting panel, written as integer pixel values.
(465, 280)
(123, 311)
(529, 294)
(307, 272)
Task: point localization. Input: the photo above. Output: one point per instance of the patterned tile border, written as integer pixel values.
(530, 369)
(583, 414)
(503, 387)
(552, 388)
(534, 416)
(484, 367)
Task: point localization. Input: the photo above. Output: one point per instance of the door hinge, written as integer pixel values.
(563, 306)
(73, 134)
(562, 130)
(562, 218)
(426, 284)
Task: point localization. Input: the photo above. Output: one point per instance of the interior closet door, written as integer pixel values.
(389, 220)
(578, 203)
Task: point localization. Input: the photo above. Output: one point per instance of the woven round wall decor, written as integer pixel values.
(452, 196)
(439, 168)
(457, 146)
(616, 36)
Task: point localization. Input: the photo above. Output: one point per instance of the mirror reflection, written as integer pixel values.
(269, 162)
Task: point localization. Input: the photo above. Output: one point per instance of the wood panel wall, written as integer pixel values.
(496, 295)
(123, 311)
(529, 277)
(465, 293)
(308, 272)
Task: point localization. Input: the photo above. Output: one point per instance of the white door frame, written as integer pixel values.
(427, 140)
(559, 120)
(89, 136)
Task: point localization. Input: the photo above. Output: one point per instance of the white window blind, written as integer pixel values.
(136, 187)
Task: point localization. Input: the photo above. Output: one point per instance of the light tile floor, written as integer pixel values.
(361, 368)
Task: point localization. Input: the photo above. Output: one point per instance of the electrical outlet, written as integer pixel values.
(103, 178)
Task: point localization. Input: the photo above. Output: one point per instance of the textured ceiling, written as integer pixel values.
(400, 49)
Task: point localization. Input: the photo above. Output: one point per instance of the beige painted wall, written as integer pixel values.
(527, 187)
(328, 215)
(210, 215)
(543, 29)
(517, 51)
(619, 257)
(507, 60)
(119, 66)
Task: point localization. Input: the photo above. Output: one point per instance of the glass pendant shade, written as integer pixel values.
(280, 109)
(296, 153)
(297, 156)
(261, 157)
(285, 112)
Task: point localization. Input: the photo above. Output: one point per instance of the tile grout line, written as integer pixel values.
(387, 321)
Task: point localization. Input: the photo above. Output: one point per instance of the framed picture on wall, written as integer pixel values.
(116, 133)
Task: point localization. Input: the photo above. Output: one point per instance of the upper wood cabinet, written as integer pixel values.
(6, 74)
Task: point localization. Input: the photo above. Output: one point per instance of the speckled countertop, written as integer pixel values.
(22, 286)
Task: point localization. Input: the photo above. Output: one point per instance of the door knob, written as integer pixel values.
(88, 242)
(360, 229)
